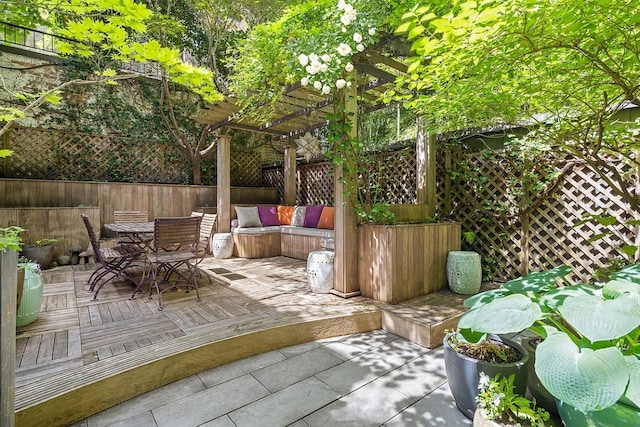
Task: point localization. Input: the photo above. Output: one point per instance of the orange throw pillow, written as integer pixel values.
(284, 214)
(326, 218)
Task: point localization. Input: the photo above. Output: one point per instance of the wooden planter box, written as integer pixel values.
(404, 261)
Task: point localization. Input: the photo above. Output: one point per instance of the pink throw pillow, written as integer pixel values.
(268, 215)
(312, 216)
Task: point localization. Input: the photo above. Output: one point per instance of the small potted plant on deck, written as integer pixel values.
(41, 252)
(493, 355)
(499, 405)
(589, 359)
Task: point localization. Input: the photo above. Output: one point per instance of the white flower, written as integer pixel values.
(484, 381)
(324, 67)
(360, 47)
(340, 83)
(344, 30)
(304, 59)
(347, 8)
(349, 67)
(341, 4)
(357, 37)
(326, 57)
(317, 85)
(372, 31)
(345, 19)
(344, 49)
(314, 68)
(304, 81)
(308, 69)
(313, 57)
(326, 90)
(496, 399)
(348, 84)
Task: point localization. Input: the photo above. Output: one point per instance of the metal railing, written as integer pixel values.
(36, 40)
(32, 39)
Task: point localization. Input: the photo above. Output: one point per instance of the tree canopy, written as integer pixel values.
(105, 34)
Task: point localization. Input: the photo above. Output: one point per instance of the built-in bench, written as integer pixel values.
(253, 240)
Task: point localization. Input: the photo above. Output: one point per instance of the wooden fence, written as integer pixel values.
(57, 154)
(50, 209)
(543, 238)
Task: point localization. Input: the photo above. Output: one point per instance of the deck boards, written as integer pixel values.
(73, 360)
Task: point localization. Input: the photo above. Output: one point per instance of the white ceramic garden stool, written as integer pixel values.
(320, 271)
(222, 245)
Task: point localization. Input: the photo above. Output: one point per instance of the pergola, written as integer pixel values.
(302, 109)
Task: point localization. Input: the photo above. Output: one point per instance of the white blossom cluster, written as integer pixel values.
(315, 65)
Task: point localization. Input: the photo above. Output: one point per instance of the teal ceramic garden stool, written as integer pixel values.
(464, 272)
(31, 295)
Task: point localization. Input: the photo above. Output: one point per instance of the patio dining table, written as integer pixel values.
(136, 232)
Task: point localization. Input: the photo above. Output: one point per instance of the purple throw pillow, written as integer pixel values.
(268, 215)
(312, 216)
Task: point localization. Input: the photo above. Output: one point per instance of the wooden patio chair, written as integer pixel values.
(207, 228)
(175, 247)
(142, 241)
(112, 262)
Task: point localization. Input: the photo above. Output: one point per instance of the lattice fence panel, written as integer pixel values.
(389, 177)
(54, 154)
(274, 177)
(246, 169)
(552, 239)
(315, 184)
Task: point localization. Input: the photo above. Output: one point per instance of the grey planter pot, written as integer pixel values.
(463, 374)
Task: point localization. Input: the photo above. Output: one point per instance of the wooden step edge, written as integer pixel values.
(61, 405)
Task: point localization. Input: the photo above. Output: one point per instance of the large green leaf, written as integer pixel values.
(630, 273)
(633, 389)
(585, 379)
(512, 313)
(537, 281)
(598, 319)
(555, 297)
(484, 297)
(615, 288)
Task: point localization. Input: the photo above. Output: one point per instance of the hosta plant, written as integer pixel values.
(590, 355)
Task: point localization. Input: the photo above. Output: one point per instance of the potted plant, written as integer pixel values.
(464, 361)
(589, 357)
(500, 405)
(10, 241)
(41, 252)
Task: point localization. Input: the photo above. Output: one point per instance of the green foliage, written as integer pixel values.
(590, 355)
(302, 47)
(10, 239)
(564, 70)
(623, 251)
(106, 33)
(501, 404)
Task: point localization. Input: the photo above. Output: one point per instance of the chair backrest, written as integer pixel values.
(176, 233)
(130, 216)
(95, 244)
(207, 225)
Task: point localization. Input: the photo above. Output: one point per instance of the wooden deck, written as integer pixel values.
(83, 355)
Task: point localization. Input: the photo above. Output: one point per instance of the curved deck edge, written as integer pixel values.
(66, 398)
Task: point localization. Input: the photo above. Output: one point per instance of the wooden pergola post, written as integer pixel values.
(223, 184)
(345, 264)
(290, 189)
(426, 168)
(8, 290)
